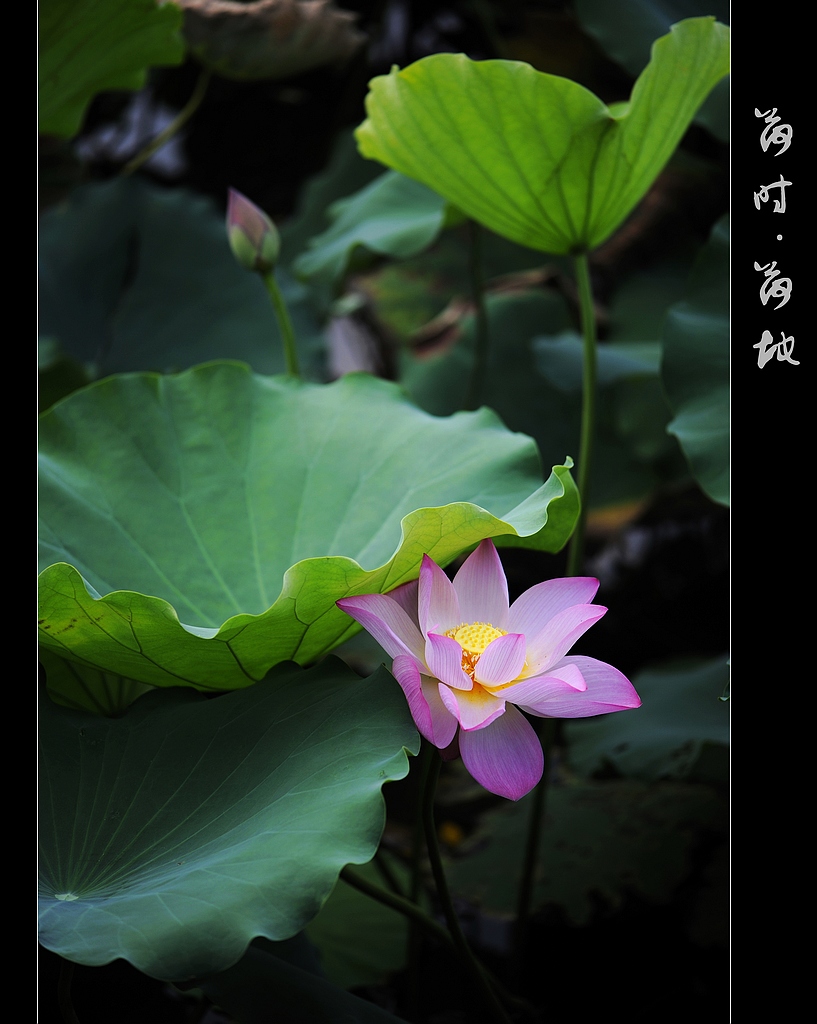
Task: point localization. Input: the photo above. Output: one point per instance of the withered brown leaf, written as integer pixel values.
(268, 38)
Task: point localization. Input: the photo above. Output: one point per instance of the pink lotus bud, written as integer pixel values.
(252, 235)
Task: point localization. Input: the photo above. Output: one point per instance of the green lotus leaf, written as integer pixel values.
(136, 277)
(87, 46)
(175, 834)
(536, 157)
(695, 367)
(681, 712)
(197, 529)
(392, 216)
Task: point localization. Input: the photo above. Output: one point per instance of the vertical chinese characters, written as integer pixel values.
(774, 286)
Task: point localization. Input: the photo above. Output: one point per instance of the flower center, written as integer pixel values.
(473, 638)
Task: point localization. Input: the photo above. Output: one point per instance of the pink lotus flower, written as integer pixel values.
(466, 661)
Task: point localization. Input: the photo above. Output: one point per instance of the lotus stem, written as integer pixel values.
(178, 122)
(537, 810)
(64, 992)
(284, 323)
(473, 966)
(575, 556)
(415, 939)
(417, 915)
(479, 366)
(399, 903)
(386, 872)
(574, 563)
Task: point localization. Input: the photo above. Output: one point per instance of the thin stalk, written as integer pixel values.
(574, 563)
(399, 903)
(417, 915)
(178, 122)
(386, 872)
(588, 323)
(479, 367)
(426, 757)
(284, 323)
(415, 884)
(473, 966)
(64, 993)
(537, 810)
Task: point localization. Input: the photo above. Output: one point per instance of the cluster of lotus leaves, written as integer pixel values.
(197, 530)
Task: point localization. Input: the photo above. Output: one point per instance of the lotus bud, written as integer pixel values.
(253, 237)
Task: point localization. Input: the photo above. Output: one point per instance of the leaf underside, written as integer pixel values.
(535, 157)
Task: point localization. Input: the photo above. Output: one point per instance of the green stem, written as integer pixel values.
(178, 122)
(415, 938)
(417, 915)
(532, 846)
(399, 903)
(386, 872)
(479, 366)
(284, 323)
(588, 322)
(574, 564)
(473, 966)
(64, 992)
(426, 757)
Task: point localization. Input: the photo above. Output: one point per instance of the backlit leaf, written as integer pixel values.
(536, 157)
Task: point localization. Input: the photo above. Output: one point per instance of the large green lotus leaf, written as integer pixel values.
(536, 157)
(392, 216)
(603, 839)
(264, 987)
(695, 367)
(134, 277)
(681, 712)
(626, 29)
(87, 46)
(198, 528)
(175, 834)
(535, 386)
